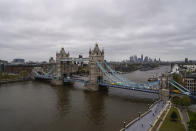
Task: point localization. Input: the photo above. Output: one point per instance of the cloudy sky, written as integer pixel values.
(36, 29)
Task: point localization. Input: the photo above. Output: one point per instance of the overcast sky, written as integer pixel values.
(36, 29)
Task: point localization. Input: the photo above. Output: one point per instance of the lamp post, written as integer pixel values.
(139, 114)
(124, 125)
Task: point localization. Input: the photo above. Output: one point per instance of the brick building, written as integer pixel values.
(15, 69)
(190, 82)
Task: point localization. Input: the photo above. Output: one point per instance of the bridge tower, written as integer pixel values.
(59, 55)
(164, 91)
(95, 74)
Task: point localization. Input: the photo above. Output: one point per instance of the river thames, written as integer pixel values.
(38, 106)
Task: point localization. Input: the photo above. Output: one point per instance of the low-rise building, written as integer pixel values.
(18, 61)
(16, 69)
(190, 68)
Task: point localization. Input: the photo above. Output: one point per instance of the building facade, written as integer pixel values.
(18, 61)
(190, 83)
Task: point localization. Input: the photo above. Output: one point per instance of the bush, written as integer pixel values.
(174, 116)
(192, 123)
(184, 101)
(176, 100)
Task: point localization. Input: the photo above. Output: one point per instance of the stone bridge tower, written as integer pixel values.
(95, 74)
(164, 91)
(61, 55)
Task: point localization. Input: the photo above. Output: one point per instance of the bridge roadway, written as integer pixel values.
(129, 88)
(146, 122)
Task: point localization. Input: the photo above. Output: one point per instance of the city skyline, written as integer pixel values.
(36, 30)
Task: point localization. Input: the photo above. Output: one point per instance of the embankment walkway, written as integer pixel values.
(147, 120)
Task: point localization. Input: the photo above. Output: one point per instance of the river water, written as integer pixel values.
(38, 106)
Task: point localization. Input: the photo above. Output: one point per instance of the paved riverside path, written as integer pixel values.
(145, 123)
(184, 117)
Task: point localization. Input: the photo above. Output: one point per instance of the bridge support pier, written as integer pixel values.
(57, 82)
(92, 86)
(164, 94)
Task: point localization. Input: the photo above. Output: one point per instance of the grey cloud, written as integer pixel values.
(36, 29)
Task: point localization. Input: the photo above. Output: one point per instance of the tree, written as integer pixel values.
(185, 101)
(192, 125)
(175, 77)
(176, 100)
(174, 116)
(23, 74)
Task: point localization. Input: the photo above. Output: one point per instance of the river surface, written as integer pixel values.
(38, 106)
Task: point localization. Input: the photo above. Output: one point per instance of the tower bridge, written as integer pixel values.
(101, 74)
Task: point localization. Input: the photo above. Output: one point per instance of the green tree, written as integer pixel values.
(185, 101)
(23, 74)
(176, 100)
(178, 78)
(192, 123)
(175, 77)
(174, 116)
(5, 75)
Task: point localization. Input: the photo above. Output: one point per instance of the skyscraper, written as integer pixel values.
(142, 58)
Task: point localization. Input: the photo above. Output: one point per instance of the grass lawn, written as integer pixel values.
(192, 123)
(192, 115)
(169, 125)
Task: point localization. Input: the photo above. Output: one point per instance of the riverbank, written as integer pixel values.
(130, 67)
(147, 120)
(11, 81)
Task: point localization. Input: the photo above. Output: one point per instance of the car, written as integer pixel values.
(176, 91)
(118, 83)
(112, 83)
(187, 93)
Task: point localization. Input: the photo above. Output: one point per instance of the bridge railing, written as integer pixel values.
(179, 87)
(148, 90)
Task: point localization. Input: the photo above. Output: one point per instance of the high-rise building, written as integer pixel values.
(186, 60)
(146, 59)
(142, 58)
(135, 58)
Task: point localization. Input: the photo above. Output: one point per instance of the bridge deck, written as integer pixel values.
(128, 88)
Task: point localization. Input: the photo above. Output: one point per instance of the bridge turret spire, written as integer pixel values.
(102, 52)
